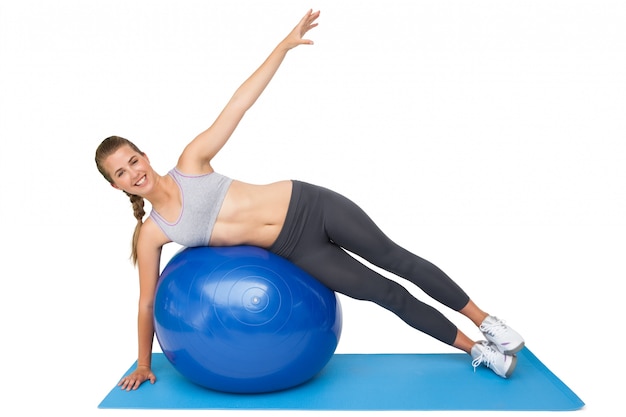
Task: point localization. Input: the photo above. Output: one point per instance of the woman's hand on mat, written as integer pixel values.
(138, 377)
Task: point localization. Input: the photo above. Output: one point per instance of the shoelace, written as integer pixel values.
(494, 329)
(487, 356)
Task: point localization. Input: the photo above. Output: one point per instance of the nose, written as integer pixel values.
(134, 173)
(132, 168)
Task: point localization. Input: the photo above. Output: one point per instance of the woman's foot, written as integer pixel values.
(487, 354)
(505, 339)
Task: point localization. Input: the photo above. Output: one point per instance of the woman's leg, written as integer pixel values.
(305, 241)
(347, 225)
(342, 273)
(320, 221)
(350, 227)
(475, 314)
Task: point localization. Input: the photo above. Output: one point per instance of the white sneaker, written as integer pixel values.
(485, 353)
(506, 340)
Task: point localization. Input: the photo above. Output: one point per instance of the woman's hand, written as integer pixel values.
(295, 37)
(138, 377)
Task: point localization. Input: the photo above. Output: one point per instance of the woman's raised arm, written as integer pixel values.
(197, 155)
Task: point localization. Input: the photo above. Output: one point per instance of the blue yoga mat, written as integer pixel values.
(372, 382)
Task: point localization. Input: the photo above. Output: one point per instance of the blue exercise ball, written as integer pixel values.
(244, 320)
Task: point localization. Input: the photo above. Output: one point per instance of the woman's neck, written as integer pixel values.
(164, 193)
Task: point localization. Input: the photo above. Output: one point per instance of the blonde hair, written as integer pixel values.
(105, 149)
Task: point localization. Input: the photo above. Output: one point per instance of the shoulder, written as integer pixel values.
(190, 163)
(151, 236)
(149, 248)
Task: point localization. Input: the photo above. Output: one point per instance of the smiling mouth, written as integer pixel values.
(141, 181)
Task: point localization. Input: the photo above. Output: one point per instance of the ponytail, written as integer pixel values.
(139, 213)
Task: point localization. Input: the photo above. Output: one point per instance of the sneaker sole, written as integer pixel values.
(509, 371)
(512, 351)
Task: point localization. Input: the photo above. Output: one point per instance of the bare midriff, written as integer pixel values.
(252, 214)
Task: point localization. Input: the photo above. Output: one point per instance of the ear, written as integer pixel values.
(115, 186)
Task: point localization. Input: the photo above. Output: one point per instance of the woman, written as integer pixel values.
(311, 226)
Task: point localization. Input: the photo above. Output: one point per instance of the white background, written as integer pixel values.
(486, 136)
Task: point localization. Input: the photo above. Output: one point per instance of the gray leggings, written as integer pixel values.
(321, 223)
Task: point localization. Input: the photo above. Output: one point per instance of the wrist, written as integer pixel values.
(284, 46)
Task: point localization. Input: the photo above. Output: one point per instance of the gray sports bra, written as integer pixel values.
(202, 197)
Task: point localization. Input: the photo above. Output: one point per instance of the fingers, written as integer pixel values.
(307, 23)
(129, 383)
(132, 382)
(311, 16)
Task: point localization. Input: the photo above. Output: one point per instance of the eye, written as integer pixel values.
(134, 161)
(120, 173)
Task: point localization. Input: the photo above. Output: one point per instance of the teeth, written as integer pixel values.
(141, 181)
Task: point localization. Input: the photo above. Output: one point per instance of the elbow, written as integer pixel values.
(241, 102)
(146, 306)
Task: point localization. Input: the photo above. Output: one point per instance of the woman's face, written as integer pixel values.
(130, 171)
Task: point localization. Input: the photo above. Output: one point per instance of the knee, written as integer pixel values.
(393, 297)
